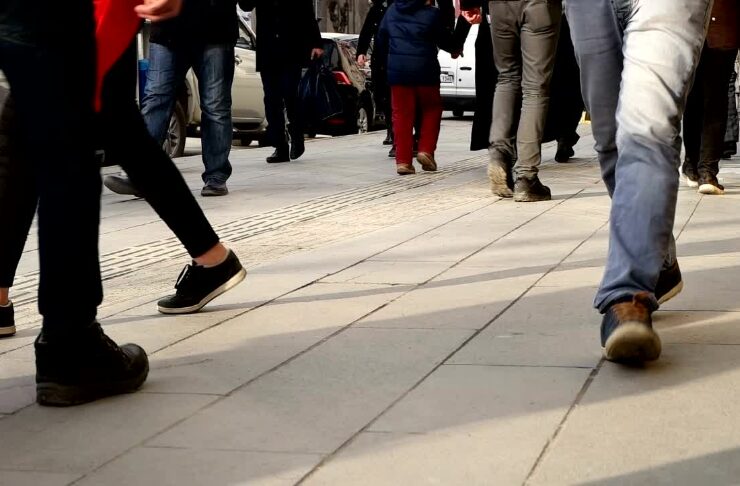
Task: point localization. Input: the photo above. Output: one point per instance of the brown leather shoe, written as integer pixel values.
(427, 161)
(627, 333)
(405, 169)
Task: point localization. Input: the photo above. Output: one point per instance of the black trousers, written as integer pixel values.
(53, 86)
(127, 142)
(705, 118)
(281, 97)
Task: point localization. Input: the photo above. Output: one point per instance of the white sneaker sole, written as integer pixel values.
(673, 292)
(691, 183)
(230, 284)
(632, 342)
(7, 331)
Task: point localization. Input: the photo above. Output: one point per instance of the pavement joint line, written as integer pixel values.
(573, 367)
(465, 342)
(285, 362)
(551, 440)
(225, 449)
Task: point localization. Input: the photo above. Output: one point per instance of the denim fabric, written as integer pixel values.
(637, 60)
(214, 67)
(525, 39)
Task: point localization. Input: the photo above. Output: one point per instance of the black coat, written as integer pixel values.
(287, 31)
(200, 22)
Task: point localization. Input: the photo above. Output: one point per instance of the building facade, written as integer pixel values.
(344, 16)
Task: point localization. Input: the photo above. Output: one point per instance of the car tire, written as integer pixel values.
(174, 142)
(458, 113)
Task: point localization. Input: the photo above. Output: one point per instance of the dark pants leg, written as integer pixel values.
(60, 79)
(281, 96)
(404, 117)
(18, 196)
(127, 141)
(731, 134)
(214, 68)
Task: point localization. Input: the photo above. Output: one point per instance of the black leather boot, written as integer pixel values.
(281, 154)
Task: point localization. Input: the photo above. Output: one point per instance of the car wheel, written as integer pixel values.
(363, 120)
(458, 113)
(174, 142)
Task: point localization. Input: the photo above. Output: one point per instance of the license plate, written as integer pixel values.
(446, 78)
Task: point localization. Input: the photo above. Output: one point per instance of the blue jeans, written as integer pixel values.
(637, 60)
(214, 67)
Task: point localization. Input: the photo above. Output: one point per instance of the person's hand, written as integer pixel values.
(317, 53)
(157, 10)
(361, 60)
(473, 16)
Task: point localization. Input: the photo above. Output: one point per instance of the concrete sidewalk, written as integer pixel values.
(394, 331)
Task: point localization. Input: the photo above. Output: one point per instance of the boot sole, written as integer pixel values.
(710, 190)
(498, 177)
(632, 342)
(7, 331)
(526, 197)
(225, 287)
(120, 189)
(427, 162)
(671, 293)
(691, 183)
(405, 171)
(55, 395)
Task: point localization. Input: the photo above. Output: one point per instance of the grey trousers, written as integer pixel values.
(525, 40)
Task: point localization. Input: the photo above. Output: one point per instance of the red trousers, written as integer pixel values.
(407, 101)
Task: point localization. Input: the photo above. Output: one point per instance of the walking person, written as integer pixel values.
(411, 33)
(75, 361)
(202, 37)
(705, 120)
(637, 60)
(525, 37)
(288, 38)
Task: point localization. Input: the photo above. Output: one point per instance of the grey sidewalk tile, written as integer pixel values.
(463, 298)
(33, 478)
(397, 273)
(225, 357)
(321, 399)
(549, 326)
(710, 283)
(678, 327)
(17, 380)
(487, 425)
(671, 422)
(78, 439)
(190, 467)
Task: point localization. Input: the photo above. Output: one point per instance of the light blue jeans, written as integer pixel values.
(637, 60)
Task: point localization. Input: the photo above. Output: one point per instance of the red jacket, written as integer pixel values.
(116, 26)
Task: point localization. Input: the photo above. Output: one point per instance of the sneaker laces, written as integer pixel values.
(185, 278)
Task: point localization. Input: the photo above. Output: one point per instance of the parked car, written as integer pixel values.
(248, 109)
(359, 112)
(457, 77)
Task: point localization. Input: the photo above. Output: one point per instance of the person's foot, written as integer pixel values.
(212, 189)
(427, 161)
(297, 148)
(85, 367)
(405, 169)
(690, 174)
(7, 320)
(121, 185)
(198, 285)
(709, 185)
(388, 137)
(501, 179)
(281, 154)
(564, 153)
(392, 152)
(670, 283)
(627, 334)
(531, 190)
(730, 149)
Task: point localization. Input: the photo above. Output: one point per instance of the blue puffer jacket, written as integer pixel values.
(410, 35)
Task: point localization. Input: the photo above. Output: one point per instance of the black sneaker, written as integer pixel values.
(388, 137)
(709, 185)
(627, 333)
(198, 285)
(690, 173)
(86, 367)
(281, 154)
(392, 152)
(121, 185)
(531, 190)
(670, 283)
(502, 183)
(212, 189)
(7, 321)
(564, 153)
(297, 148)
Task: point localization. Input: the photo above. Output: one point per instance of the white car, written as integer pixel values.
(457, 77)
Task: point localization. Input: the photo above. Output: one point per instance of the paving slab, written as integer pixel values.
(33, 478)
(487, 425)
